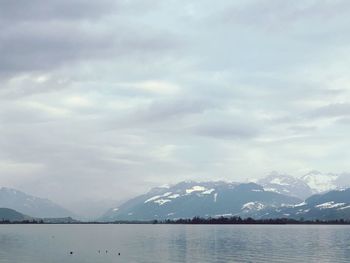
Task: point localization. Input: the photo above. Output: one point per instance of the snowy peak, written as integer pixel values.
(323, 182)
(280, 179)
(320, 182)
(285, 184)
(311, 183)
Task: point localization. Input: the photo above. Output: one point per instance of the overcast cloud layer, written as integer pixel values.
(104, 99)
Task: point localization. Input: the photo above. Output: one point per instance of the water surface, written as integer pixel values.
(174, 243)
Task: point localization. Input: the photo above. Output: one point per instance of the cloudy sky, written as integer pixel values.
(105, 99)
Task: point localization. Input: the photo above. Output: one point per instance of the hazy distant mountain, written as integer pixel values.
(323, 182)
(286, 184)
(7, 214)
(189, 199)
(332, 205)
(90, 209)
(311, 183)
(31, 205)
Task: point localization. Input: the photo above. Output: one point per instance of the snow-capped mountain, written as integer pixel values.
(311, 183)
(323, 182)
(208, 199)
(286, 184)
(30, 205)
(329, 206)
(273, 196)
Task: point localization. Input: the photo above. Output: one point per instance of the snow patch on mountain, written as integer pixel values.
(268, 189)
(196, 188)
(215, 197)
(344, 207)
(208, 192)
(329, 205)
(162, 201)
(300, 204)
(253, 205)
(153, 198)
(157, 197)
(279, 181)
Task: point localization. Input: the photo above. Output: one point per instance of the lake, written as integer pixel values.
(174, 243)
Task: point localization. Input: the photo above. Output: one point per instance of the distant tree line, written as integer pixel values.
(238, 220)
(33, 221)
(235, 220)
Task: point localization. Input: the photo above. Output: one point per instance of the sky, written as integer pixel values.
(106, 99)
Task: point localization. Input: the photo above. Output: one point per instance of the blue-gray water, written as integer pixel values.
(174, 243)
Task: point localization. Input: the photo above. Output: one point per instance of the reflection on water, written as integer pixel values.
(173, 243)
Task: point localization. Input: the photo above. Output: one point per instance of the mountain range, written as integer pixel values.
(329, 206)
(276, 195)
(189, 199)
(31, 205)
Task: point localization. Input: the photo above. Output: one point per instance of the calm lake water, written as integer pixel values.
(173, 243)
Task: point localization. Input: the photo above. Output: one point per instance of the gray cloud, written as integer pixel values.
(36, 10)
(266, 13)
(39, 37)
(171, 109)
(227, 130)
(125, 95)
(331, 110)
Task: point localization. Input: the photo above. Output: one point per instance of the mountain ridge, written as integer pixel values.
(31, 205)
(201, 197)
(11, 215)
(198, 199)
